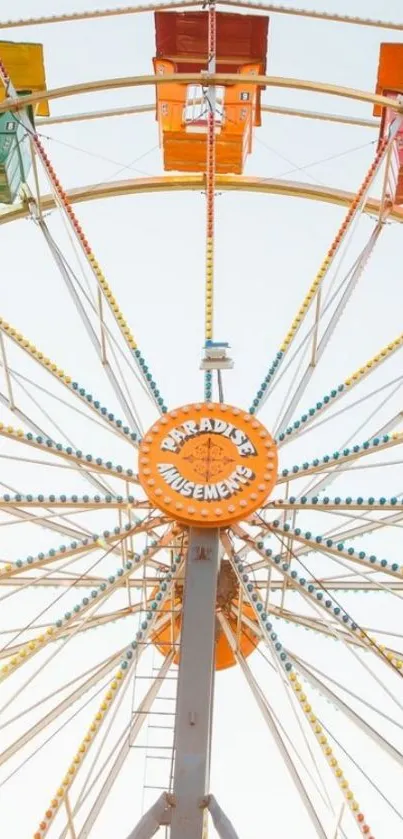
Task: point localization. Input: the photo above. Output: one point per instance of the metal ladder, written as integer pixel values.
(157, 742)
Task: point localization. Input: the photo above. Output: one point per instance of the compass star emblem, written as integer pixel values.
(208, 459)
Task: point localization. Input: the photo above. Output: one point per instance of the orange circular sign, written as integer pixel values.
(208, 464)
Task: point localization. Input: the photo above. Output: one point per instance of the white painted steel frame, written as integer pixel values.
(195, 685)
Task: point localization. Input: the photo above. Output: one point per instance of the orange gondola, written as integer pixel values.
(238, 614)
(181, 47)
(390, 83)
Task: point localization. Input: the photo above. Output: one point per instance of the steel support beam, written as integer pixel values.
(96, 342)
(355, 274)
(270, 721)
(319, 685)
(195, 686)
(221, 822)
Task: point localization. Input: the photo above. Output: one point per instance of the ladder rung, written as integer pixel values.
(155, 713)
(165, 699)
(164, 727)
(147, 786)
(152, 747)
(159, 678)
(160, 643)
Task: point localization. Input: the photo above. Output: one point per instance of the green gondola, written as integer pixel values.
(15, 155)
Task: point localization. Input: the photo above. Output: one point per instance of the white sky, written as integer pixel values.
(151, 248)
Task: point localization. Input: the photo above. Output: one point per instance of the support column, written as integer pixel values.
(195, 685)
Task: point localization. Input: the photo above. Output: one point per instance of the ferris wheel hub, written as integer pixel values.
(208, 464)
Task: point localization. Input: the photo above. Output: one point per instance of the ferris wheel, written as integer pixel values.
(215, 649)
